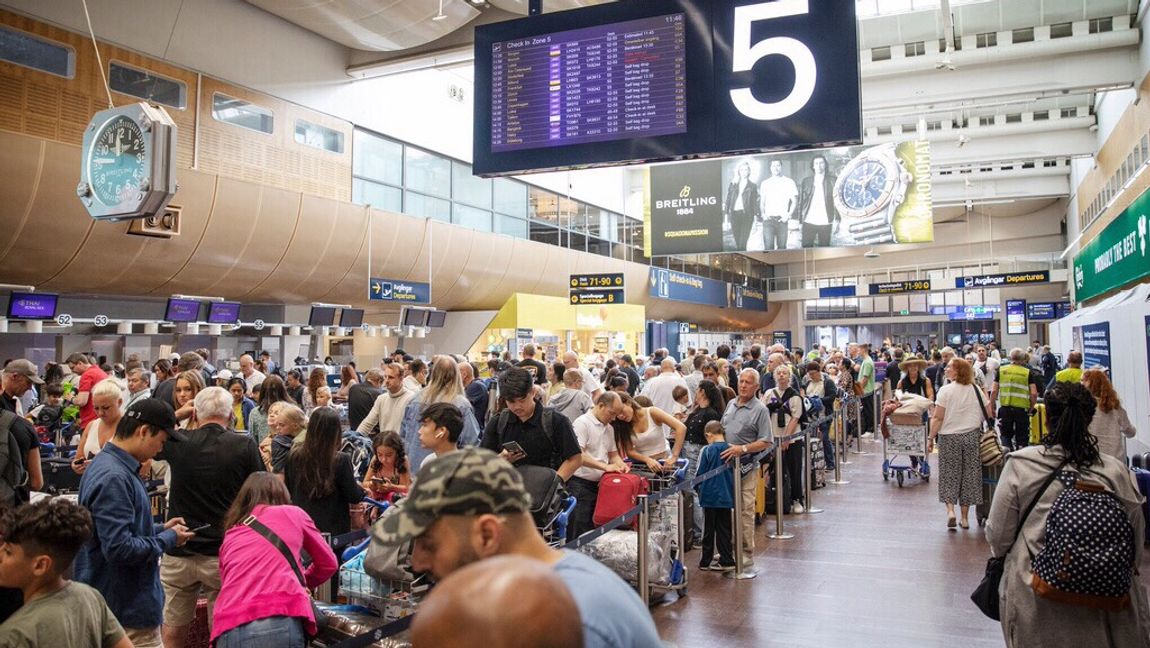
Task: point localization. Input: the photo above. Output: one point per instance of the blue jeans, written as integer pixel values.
(692, 451)
(278, 631)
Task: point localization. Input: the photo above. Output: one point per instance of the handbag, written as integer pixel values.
(252, 523)
(985, 596)
(990, 451)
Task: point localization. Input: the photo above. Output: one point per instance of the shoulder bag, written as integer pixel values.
(990, 451)
(985, 596)
(259, 527)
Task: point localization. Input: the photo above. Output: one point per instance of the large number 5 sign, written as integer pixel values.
(746, 54)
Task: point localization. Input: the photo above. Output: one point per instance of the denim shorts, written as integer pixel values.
(278, 631)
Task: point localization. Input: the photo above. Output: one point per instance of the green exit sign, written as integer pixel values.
(905, 311)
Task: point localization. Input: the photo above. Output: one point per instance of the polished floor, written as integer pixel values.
(876, 568)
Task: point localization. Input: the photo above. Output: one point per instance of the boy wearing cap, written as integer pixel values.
(470, 505)
(122, 558)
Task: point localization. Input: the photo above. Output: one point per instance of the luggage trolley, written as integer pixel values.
(668, 519)
(909, 440)
(390, 600)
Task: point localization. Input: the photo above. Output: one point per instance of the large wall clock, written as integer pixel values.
(128, 162)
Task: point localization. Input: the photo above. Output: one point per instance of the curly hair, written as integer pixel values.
(1070, 408)
(1098, 383)
(390, 439)
(56, 527)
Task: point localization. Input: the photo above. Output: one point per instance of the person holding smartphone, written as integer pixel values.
(388, 476)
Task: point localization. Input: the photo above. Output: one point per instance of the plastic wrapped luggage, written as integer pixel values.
(619, 551)
(618, 493)
(1142, 476)
(818, 474)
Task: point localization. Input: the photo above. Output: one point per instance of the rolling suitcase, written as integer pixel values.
(761, 493)
(1038, 424)
(989, 483)
(1141, 460)
(618, 493)
(1142, 476)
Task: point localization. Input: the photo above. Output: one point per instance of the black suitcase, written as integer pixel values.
(1141, 460)
(58, 476)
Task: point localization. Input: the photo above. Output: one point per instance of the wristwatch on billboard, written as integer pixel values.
(869, 190)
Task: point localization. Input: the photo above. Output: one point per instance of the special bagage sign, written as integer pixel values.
(848, 196)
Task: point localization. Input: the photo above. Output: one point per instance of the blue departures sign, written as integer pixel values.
(406, 292)
(748, 298)
(677, 286)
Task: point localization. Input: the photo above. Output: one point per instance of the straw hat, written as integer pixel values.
(906, 365)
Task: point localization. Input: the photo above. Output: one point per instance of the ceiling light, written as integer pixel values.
(440, 15)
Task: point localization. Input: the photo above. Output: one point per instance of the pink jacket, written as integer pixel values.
(256, 581)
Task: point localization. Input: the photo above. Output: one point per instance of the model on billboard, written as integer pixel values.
(741, 208)
(779, 197)
(817, 212)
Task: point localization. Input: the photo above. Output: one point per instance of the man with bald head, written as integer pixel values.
(251, 375)
(501, 602)
(660, 388)
(591, 385)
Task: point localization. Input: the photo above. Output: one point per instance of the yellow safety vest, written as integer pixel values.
(1014, 386)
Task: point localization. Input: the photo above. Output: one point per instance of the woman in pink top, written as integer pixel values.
(261, 602)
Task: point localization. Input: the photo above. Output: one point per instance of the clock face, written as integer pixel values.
(117, 162)
(864, 185)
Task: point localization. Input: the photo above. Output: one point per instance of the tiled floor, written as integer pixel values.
(876, 568)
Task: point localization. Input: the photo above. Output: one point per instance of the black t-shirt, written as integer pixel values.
(540, 369)
(330, 512)
(207, 472)
(360, 399)
(296, 394)
(697, 421)
(632, 380)
(533, 438)
(164, 390)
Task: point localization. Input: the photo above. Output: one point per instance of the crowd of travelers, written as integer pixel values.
(267, 455)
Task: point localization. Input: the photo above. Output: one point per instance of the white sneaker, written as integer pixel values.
(797, 507)
(868, 435)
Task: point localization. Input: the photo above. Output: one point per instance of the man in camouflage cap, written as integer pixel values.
(470, 505)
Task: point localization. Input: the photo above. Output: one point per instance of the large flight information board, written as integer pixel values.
(608, 82)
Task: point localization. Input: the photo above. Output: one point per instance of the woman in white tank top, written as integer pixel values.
(106, 401)
(640, 433)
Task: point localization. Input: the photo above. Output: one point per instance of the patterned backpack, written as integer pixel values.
(1088, 559)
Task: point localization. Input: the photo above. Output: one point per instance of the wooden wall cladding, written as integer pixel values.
(55, 108)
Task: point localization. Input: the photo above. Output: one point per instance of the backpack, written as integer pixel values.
(13, 476)
(361, 451)
(548, 431)
(1088, 559)
(48, 423)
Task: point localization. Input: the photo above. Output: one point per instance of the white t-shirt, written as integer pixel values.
(817, 213)
(962, 413)
(659, 390)
(596, 439)
(257, 378)
(984, 372)
(779, 196)
(795, 403)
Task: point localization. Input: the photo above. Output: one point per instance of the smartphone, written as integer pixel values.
(199, 528)
(513, 447)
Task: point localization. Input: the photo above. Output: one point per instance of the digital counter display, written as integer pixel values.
(618, 81)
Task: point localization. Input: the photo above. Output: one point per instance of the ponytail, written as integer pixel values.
(1070, 408)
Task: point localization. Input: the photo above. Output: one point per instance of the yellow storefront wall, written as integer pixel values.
(552, 316)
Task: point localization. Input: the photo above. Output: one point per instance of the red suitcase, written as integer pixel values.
(618, 493)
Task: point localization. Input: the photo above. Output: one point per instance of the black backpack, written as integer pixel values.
(13, 476)
(1088, 558)
(548, 421)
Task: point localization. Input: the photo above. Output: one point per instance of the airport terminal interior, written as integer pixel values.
(422, 219)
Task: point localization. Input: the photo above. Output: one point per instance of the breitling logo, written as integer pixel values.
(685, 192)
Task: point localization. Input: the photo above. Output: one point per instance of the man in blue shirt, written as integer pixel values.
(470, 505)
(122, 560)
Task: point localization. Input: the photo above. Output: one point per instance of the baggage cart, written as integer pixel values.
(905, 439)
(390, 600)
(668, 519)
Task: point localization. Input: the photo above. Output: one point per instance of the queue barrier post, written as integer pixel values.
(840, 456)
(844, 428)
(742, 571)
(644, 530)
(859, 425)
(808, 468)
(779, 533)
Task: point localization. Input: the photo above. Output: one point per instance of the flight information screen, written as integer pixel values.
(607, 82)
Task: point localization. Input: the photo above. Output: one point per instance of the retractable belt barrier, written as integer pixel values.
(398, 626)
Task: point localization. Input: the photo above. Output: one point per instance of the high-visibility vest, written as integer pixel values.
(1014, 386)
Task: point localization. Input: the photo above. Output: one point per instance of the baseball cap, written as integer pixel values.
(224, 374)
(24, 368)
(471, 481)
(158, 414)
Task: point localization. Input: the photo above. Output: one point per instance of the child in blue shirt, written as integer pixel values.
(716, 496)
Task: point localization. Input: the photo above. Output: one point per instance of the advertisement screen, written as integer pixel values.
(1016, 317)
(840, 197)
(223, 312)
(31, 306)
(182, 310)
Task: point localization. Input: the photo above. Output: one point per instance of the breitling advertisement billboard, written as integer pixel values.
(840, 197)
